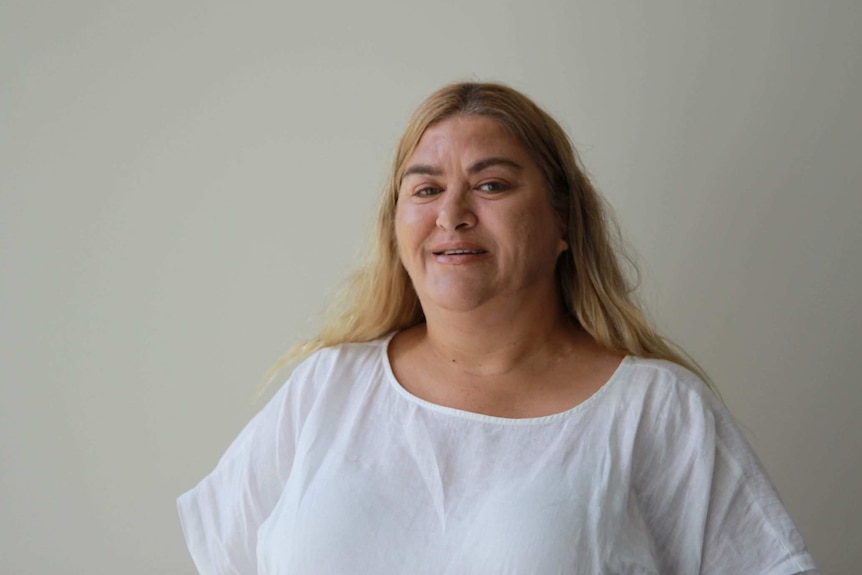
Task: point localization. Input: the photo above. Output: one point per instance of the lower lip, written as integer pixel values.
(458, 259)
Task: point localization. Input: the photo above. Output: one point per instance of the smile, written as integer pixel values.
(458, 252)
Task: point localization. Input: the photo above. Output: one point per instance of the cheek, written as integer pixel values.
(400, 221)
(405, 219)
(411, 225)
(407, 236)
(537, 237)
(528, 229)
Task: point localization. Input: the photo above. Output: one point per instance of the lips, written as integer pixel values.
(458, 252)
(457, 249)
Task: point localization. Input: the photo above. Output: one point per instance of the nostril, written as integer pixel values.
(455, 213)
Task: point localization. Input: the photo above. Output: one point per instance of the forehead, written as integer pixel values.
(466, 136)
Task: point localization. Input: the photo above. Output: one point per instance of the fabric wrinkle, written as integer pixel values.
(428, 465)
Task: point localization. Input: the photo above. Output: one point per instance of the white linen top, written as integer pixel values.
(344, 471)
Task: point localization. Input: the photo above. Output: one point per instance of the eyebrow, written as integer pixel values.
(423, 169)
(476, 167)
(495, 161)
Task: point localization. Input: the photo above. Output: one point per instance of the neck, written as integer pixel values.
(499, 339)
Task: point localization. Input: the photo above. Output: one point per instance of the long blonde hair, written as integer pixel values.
(379, 298)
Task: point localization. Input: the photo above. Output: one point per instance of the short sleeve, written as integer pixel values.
(221, 515)
(705, 496)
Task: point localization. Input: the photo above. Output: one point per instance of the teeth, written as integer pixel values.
(454, 252)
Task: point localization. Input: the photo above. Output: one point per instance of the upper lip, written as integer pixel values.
(460, 245)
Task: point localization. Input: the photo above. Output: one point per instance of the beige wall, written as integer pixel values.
(182, 184)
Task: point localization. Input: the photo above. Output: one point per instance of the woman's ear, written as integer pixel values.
(562, 246)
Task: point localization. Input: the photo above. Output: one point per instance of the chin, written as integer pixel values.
(460, 300)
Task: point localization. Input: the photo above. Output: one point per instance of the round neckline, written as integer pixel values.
(474, 416)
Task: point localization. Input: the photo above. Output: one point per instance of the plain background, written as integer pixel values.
(184, 184)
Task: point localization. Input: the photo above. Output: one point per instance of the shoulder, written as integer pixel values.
(660, 385)
(698, 483)
(343, 356)
(670, 411)
(676, 417)
(663, 373)
(333, 369)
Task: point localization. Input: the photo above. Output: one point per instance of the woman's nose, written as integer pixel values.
(456, 212)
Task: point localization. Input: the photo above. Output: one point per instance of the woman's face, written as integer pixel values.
(473, 222)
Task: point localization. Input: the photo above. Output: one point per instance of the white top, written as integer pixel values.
(344, 471)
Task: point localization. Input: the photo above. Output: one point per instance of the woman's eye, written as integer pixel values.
(493, 187)
(427, 191)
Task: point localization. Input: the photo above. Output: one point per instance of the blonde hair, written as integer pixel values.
(379, 298)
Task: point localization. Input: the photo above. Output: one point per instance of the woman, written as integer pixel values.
(491, 400)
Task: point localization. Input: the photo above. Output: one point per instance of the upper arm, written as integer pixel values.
(704, 494)
(220, 516)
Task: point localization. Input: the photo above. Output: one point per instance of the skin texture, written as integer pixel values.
(496, 338)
